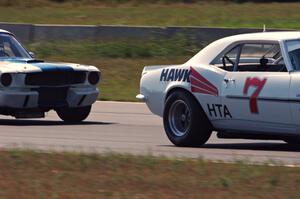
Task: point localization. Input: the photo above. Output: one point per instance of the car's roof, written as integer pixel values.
(4, 31)
(270, 36)
(206, 55)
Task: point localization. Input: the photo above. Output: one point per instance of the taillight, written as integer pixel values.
(6, 79)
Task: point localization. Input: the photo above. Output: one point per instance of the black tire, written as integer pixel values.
(293, 141)
(74, 115)
(189, 129)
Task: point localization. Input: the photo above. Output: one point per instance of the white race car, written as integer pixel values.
(243, 86)
(31, 87)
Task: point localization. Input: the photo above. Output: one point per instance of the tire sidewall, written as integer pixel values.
(74, 115)
(190, 138)
(293, 141)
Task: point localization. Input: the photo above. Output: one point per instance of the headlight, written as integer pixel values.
(6, 79)
(94, 78)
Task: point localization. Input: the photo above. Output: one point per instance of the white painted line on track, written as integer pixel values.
(119, 102)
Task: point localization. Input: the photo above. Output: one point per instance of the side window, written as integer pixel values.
(252, 53)
(294, 53)
(254, 57)
(8, 50)
(227, 61)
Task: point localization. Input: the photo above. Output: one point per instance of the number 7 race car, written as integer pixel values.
(30, 87)
(243, 86)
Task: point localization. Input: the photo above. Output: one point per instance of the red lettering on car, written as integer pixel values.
(259, 85)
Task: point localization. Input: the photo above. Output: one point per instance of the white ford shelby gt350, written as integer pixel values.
(30, 87)
(243, 86)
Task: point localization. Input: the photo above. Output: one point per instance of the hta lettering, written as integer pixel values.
(218, 110)
(175, 75)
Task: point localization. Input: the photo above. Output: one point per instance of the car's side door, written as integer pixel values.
(256, 91)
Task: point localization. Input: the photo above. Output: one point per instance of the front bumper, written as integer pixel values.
(141, 97)
(29, 98)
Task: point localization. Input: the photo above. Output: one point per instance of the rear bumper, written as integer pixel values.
(24, 99)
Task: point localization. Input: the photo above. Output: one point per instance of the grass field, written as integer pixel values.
(274, 15)
(121, 62)
(28, 174)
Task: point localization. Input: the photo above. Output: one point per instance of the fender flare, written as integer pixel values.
(174, 89)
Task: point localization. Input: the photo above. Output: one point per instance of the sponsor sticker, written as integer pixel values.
(175, 75)
(218, 110)
(199, 84)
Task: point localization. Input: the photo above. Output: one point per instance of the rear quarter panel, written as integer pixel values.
(158, 82)
(208, 82)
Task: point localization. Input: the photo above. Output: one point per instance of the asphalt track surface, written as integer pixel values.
(131, 128)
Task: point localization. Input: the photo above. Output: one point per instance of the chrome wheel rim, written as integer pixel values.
(179, 118)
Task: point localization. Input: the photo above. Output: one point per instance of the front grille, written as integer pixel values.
(55, 78)
(52, 97)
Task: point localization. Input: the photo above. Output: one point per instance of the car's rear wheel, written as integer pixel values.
(185, 122)
(73, 115)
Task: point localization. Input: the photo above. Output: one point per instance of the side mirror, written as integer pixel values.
(32, 54)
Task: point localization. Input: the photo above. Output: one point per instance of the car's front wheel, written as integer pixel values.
(185, 122)
(293, 141)
(73, 115)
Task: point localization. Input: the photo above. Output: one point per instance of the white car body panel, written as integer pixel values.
(277, 106)
(276, 87)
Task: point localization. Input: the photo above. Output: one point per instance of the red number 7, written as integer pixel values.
(259, 84)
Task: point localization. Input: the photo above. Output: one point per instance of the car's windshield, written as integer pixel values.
(293, 48)
(11, 48)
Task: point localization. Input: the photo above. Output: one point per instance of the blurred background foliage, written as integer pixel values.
(176, 46)
(33, 3)
(121, 61)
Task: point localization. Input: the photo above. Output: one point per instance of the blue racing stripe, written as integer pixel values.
(47, 67)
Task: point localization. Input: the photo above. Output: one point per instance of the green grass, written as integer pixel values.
(121, 62)
(29, 174)
(132, 49)
(224, 14)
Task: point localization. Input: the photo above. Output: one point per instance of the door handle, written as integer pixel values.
(227, 80)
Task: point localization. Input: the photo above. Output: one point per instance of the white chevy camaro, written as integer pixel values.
(243, 86)
(31, 87)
